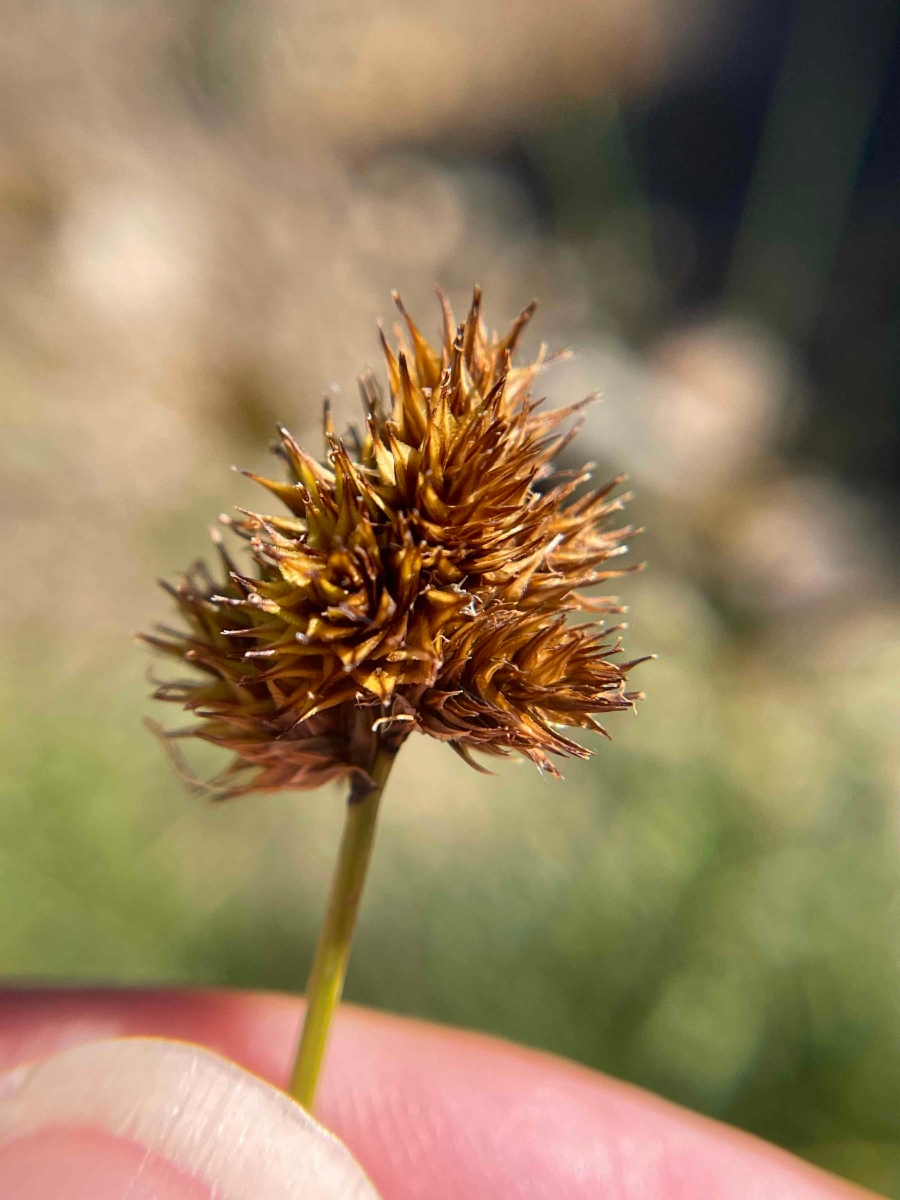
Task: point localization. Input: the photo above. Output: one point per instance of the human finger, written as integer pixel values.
(161, 1120)
(440, 1114)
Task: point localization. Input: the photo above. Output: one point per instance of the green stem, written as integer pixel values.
(326, 979)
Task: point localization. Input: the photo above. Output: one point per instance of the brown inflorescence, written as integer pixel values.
(421, 579)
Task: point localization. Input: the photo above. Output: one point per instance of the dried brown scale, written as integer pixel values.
(420, 583)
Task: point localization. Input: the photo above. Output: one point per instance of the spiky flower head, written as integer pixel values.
(419, 579)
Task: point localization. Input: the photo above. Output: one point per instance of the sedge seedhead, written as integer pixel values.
(419, 578)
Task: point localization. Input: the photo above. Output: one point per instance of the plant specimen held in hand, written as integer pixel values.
(419, 579)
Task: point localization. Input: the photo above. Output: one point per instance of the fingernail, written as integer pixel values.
(159, 1120)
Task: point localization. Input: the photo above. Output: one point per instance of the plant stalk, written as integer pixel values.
(326, 978)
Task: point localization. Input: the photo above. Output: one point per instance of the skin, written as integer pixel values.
(431, 1113)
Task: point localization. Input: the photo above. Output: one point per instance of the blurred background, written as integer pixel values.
(203, 207)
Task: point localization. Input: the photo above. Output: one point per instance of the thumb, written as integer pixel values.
(162, 1120)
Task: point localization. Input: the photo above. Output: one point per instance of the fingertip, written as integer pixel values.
(443, 1113)
(87, 1164)
(162, 1120)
